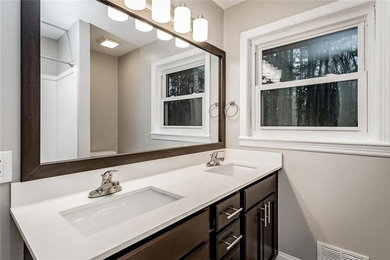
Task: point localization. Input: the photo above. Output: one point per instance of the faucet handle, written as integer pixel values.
(107, 175)
(215, 154)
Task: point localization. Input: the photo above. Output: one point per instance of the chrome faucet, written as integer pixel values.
(107, 187)
(215, 160)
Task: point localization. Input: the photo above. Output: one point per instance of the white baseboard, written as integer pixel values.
(284, 256)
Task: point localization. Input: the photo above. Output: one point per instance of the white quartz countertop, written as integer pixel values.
(50, 236)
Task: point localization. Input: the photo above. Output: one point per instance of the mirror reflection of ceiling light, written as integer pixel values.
(142, 26)
(182, 19)
(136, 4)
(161, 11)
(106, 42)
(161, 35)
(181, 44)
(200, 30)
(116, 15)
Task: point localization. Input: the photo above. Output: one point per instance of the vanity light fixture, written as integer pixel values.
(181, 44)
(107, 42)
(161, 11)
(201, 29)
(182, 19)
(161, 35)
(142, 26)
(116, 15)
(136, 4)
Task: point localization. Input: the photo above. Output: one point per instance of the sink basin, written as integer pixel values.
(232, 169)
(95, 217)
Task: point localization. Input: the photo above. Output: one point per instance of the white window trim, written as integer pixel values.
(371, 138)
(162, 67)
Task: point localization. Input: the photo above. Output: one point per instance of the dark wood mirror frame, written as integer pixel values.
(31, 167)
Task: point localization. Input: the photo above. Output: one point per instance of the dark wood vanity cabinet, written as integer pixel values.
(260, 230)
(242, 225)
(260, 220)
(187, 240)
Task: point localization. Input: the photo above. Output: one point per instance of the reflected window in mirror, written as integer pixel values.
(182, 85)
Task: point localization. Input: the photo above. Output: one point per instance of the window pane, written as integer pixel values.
(186, 82)
(335, 53)
(329, 104)
(186, 112)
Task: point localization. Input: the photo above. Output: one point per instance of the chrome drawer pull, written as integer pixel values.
(235, 242)
(231, 215)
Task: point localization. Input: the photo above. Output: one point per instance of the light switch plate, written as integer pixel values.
(5, 167)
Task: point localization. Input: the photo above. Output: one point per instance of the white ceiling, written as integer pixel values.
(224, 4)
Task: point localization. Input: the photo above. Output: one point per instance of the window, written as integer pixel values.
(184, 94)
(309, 82)
(181, 97)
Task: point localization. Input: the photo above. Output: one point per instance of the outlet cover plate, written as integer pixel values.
(5, 167)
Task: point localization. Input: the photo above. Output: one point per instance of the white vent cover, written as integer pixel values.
(328, 252)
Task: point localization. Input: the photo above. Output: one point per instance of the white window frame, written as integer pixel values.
(160, 69)
(368, 137)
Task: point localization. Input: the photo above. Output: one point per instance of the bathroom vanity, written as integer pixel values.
(195, 212)
(240, 226)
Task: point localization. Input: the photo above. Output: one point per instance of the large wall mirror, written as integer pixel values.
(109, 92)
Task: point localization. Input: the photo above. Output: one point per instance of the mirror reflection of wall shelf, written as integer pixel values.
(98, 112)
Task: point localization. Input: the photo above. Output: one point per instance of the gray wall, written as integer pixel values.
(10, 241)
(104, 102)
(339, 199)
(135, 96)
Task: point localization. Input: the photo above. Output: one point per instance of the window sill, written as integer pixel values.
(181, 138)
(378, 149)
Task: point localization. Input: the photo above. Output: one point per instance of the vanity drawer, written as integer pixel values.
(228, 239)
(227, 211)
(202, 253)
(176, 242)
(259, 191)
(234, 255)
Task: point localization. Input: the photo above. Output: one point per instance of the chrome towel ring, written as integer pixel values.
(216, 105)
(230, 105)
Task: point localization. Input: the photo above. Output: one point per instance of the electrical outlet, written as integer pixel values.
(5, 167)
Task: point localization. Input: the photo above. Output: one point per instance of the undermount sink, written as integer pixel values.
(95, 217)
(232, 169)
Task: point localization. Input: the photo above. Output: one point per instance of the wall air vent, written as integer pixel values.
(328, 252)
